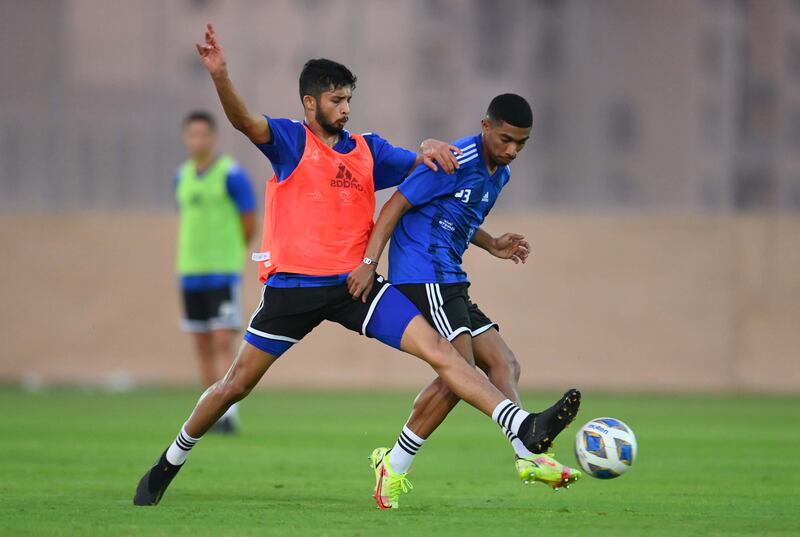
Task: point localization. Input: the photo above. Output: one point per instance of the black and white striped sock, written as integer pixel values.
(516, 443)
(405, 449)
(180, 448)
(509, 416)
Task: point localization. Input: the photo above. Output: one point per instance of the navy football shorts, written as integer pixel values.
(287, 315)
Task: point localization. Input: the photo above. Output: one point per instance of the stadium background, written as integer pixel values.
(660, 191)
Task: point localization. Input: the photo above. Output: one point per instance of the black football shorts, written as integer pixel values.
(448, 308)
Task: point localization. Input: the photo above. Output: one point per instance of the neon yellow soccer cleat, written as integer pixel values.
(545, 469)
(388, 483)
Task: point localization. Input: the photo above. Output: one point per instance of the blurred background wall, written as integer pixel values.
(661, 189)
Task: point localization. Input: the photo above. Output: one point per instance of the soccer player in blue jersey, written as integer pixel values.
(324, 178)
(217, 208)
(432, 219)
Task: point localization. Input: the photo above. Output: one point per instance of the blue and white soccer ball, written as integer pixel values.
(605, 448)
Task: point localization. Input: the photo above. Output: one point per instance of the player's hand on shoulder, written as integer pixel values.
(443, 153)
(211, 53)
(359, 282)
(511, 246)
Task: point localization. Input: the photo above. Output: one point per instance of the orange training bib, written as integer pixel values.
(318, 220)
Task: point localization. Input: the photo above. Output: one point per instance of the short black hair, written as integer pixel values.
(512, 109)
(320, 75)
(200, 115)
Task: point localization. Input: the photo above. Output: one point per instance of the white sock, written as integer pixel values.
(509, 416)
(405, 449)
(231, 413)
(180, 448)
(519, 447)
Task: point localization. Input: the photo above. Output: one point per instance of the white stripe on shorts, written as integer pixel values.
(432, 303)
(441, 309)
(482, 329)
(260, 305)
(372, 306)
(458, 331)
(271, 336)
(438, 311)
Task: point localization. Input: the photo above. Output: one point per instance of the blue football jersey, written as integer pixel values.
(430, 239)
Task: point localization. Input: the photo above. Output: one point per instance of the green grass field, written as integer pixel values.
(69, 462)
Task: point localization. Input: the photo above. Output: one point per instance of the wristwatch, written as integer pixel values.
(368, 261)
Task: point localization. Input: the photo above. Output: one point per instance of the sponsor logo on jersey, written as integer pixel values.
(346, 197)
(447, 225)
(344, 179)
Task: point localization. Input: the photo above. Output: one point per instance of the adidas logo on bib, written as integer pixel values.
(485, 198)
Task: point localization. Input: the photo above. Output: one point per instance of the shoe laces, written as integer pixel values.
(399, 483)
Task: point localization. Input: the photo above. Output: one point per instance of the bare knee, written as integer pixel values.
(513, 364)
(231, 390)
(502, 365)
(441, 353)
(443, 349)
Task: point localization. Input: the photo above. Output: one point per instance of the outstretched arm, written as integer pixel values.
(359, 282)
(507, 246)
(213, 57)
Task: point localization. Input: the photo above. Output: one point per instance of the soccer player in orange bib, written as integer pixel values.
(317, 222)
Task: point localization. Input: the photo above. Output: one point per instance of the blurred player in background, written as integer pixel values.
(217, 221)
(432, 219)
(318, 216)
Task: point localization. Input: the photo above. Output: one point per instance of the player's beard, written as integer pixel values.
(323, 122)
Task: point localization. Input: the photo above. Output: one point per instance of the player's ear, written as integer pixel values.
(485, 126)
(309, 103)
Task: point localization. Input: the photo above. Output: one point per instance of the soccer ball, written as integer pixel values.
(605, 448)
